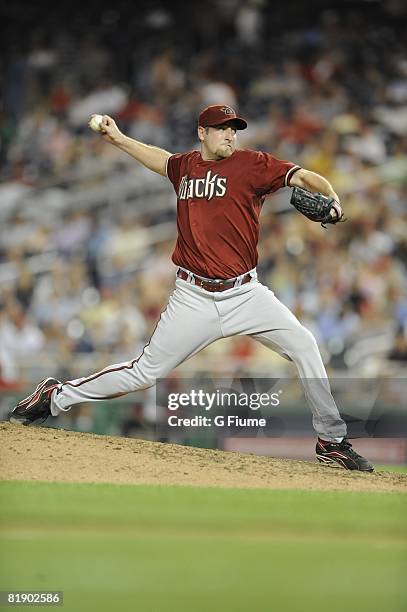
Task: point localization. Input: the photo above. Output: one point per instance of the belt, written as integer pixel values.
(215, 284)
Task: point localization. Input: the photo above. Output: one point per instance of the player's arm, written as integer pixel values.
(152, 157)
(312, 182)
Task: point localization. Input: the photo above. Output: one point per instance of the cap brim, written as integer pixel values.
(238, 123)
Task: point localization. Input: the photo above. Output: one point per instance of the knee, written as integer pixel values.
(146, 373)
(304, 341)
(147, 381)
(142, 377)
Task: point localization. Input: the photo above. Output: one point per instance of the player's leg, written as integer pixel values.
(189, 323)
(262, 316)
(298, 345)
(267, 320)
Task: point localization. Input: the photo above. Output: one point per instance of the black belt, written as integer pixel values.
(215, 284)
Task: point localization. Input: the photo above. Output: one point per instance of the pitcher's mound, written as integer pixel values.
(42, 453)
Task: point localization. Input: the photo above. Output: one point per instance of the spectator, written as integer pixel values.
(78, 253)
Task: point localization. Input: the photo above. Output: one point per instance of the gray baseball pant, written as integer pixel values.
(193, 319)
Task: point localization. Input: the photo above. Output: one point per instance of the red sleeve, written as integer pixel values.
(270, 173)
(174, 168)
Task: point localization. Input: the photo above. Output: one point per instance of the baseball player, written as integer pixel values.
(220, 191)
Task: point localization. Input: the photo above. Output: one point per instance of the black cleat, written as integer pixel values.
(343, 455)
(36, 407)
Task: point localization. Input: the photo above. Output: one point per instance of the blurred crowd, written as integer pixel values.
(84, 245)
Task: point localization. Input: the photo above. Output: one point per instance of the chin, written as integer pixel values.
(223, 153)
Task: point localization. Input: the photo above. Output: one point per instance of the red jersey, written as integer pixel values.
(218, 208)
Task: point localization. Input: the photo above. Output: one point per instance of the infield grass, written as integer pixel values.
(186, 549)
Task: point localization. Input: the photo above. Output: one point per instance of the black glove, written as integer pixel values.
(316, 206)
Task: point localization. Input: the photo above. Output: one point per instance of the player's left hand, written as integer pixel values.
(316, 206)
(336, 212)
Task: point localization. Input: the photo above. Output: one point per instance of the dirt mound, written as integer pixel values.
(42, 453)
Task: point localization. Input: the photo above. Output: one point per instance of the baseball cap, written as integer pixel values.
(218, 114)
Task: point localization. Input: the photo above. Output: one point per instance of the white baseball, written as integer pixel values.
(95, 123)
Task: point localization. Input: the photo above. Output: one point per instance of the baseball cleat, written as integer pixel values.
(341, 454)
(36, 407)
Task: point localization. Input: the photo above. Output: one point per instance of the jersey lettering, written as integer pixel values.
(199, 193)
(190, 192)
(208, 187)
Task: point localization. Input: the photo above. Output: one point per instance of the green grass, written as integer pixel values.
(402, 469)
(176, 549)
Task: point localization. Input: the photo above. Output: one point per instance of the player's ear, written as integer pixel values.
(201, 133)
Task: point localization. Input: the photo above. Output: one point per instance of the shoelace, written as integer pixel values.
(348, 447)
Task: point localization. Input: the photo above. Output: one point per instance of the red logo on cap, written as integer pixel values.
(227, 110)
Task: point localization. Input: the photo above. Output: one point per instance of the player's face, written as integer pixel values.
(218, 142)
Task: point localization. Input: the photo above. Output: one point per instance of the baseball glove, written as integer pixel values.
(316, 206)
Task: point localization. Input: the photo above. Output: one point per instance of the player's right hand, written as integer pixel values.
(110, 131)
